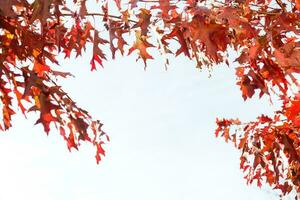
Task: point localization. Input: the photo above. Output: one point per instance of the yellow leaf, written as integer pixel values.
(9, 36)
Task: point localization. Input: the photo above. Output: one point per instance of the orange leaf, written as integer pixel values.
(141, 45)
(297, 4)
(40, 69)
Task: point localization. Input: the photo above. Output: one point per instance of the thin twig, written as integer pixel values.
(99, 14)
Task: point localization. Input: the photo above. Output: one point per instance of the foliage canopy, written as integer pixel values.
(263, 33)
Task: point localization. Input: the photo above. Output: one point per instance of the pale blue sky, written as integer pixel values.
(161, 125)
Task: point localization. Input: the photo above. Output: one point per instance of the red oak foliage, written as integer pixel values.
(263, 33)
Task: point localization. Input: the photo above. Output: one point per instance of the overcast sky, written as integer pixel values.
(161, 125)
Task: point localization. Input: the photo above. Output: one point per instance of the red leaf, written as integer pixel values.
(71, 142)
(144, 21)
(100, 151)
(97, 59)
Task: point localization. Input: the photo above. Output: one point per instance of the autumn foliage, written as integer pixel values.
(264, 34)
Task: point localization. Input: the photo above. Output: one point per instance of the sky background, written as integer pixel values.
(161, 124)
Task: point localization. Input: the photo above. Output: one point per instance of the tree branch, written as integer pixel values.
(99, 15)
